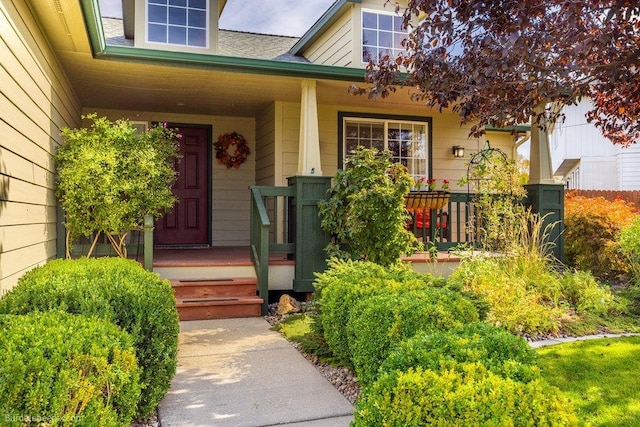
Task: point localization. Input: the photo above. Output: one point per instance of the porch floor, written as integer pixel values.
(209, 257)
(241, 256)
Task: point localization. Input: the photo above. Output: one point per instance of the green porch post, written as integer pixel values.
(148, 242)
(304, 226)
(548, 201)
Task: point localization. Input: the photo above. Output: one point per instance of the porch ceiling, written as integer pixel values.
(146, 85)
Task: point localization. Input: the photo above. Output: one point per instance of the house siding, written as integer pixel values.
(36, 101)
(266, 146)
(335, 46)
(230, 199)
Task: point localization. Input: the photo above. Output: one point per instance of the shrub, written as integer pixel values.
(60, 369)
(117, 290)
(344, 283)
(591, 229)
(378, 322)
(471, 396)
(365, 210)
(523, 296)
(499, 351)
(629, 244)
(110, 177)
(583, 293)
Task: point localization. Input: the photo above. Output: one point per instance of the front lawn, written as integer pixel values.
(599, 376)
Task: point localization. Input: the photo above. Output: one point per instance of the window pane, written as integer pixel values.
(178, 35)
(394, 147)
(157, 14)
(352, 144)
(397, 23)
(197, 37)
(199, 4)
(369, 20)
(369, 53)
(369, 37)
(157, 33)
(197, 18)
(157, 2)
(178, 2)
(351, 131)
(385, 22)
(377, 131)
(397, 40)
(177, 16)
(365, 131)
(385, 39)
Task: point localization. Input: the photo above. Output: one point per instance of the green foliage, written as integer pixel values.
(344, 283)
(499, 351)
(62, 369)
(629, 244)
(592, 226)
(110, 177)
(365, 211)
(585, 295)
(117, 290)
(378, 322)
(464, 397)
(495, 180)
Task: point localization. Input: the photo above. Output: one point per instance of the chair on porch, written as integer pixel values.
(420, 223)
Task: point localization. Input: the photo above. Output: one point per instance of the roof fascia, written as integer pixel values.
(93, 22)
(517, 128)
(317, 29)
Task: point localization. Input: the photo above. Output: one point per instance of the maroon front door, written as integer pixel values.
(187, 223)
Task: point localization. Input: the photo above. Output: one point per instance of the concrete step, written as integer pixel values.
(218, 308)
(215, 288)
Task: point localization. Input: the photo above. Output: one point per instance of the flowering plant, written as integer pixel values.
(431, 184)
(445, 184)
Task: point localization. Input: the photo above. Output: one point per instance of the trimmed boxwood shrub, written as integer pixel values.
(340, 287)
(497, 350)
(117, 290)
(468, 397)
(379, 322)
(60, 369)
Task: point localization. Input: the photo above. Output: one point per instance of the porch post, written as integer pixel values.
(545, 196)
(309, 146)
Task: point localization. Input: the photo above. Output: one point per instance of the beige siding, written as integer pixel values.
(265, 147)
(336, 45)
(229, 187)
(36, 101)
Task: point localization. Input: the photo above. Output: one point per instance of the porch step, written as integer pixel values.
(201, 299)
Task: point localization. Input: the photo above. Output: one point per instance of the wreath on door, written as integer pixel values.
(231, 149)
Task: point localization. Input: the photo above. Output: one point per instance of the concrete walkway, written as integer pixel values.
(544, 343)
(237, 372)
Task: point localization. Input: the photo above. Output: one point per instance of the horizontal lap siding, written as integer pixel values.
(36, 101)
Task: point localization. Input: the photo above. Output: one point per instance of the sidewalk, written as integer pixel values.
(237, 372)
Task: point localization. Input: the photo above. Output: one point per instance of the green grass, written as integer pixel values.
(297, 328)
(599, 376)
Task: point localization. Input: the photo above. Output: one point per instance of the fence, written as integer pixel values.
(632, 196)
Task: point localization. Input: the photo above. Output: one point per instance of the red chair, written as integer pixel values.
(423, 222)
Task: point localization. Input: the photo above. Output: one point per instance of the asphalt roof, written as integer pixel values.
(230, 43)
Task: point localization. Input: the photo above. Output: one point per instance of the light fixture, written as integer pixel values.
(458, 151)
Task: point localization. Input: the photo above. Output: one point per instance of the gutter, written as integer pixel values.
(100, 50)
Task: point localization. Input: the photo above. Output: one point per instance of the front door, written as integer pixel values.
(188, 222)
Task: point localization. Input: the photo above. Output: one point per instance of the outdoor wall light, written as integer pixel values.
(458, 151)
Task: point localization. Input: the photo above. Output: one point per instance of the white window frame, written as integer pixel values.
(412, 162)
(395, 49)
(207, 28)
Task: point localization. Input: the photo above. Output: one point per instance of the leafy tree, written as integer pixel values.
(498, 62)
(365, 211)
(110, 177)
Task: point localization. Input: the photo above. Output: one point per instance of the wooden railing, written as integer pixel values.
(269, 231)
(453, 224)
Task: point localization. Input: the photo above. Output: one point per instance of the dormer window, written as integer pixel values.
(382, 34)
(178, 22)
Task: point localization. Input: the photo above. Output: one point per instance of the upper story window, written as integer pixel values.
(407, 140)
(178, 22)
(382, 34)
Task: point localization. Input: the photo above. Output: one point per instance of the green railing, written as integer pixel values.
(453, 224)
(269, 232)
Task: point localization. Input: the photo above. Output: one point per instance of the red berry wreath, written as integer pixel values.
(238, 153)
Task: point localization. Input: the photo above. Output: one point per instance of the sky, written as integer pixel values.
(285, 17)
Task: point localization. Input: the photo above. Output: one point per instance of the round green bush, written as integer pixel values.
(468, 397)
(341, 286)
(379, 322)
(117, 290)
(497, 350)
(60, 369)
